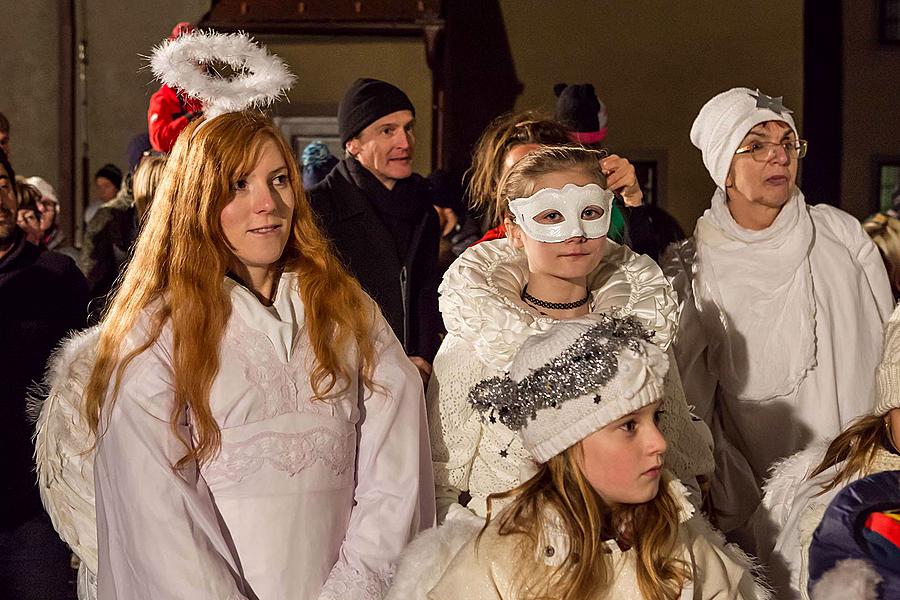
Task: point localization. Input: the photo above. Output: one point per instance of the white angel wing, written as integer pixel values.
(64, 448)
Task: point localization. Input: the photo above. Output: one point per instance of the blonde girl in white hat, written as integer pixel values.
(600, 517)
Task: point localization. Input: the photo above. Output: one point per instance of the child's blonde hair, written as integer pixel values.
(885, 232)
(560, 488)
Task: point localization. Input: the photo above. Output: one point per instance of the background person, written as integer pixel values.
(107, 183)
(380, 217)
(53, 237)
(801, 488)
(145, 182)
(107, 246)
(28, 214)
(171, 110)
(317, 161)
(855, 552)
(884, 229)
(648, 229)
(43, 296)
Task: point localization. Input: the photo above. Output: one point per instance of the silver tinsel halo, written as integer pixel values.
(581, 369)
(262, 77)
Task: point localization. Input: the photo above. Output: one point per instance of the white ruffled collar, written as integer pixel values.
(481, 298)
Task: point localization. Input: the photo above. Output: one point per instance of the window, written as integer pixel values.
(303, 130)
(646, 172)
(888, 184)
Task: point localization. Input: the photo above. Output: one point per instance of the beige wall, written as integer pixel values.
(119, 84)
(654, 64)
(326, 66)
(29, 78)
(118, 90)
(871, 106)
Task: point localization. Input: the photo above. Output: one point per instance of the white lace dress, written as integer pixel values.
(306, 499)
(487, 322)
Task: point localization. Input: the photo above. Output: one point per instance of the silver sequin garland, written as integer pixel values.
(581, 369)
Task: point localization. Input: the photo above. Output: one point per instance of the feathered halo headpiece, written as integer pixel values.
(261, 78)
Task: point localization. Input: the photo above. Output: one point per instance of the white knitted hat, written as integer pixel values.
(568, 382)
(887, 375)
(725, 120)
(44, 188)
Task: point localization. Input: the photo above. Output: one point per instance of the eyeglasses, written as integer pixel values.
(764, 151)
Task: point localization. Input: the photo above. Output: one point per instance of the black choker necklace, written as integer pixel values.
(553, 305)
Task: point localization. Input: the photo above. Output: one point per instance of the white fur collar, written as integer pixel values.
(481, 298)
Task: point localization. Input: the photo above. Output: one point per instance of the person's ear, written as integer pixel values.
(729, 179)
(514, 233)
(352, 146)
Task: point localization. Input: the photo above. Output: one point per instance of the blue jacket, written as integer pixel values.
(841, 534)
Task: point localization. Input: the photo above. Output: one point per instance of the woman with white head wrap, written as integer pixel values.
(784, 302)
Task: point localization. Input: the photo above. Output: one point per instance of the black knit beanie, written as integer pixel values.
(577, 106)
(111, 172)
(365, 102)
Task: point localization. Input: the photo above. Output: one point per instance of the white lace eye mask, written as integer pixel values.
(570, 202)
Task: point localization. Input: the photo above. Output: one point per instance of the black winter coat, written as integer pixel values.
(404, 288)
(43, 296)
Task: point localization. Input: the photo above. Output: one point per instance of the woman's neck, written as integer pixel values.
(751, 215)
(259, 280)
(556, 290)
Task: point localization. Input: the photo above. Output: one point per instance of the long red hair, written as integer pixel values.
(176, 276)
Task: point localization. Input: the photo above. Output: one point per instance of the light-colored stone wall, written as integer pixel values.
(29, 82)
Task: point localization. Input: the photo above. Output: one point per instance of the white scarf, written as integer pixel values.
(754, 293)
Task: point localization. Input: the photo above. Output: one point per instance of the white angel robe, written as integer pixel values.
(779, 338)
(306, 500)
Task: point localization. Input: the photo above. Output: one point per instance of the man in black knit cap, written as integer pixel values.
(379, 215)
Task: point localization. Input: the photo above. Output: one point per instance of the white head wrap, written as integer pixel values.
(725, 120)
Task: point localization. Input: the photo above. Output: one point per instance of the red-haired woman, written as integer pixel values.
(259, 429)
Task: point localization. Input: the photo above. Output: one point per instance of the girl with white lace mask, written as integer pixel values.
(556, 264)
(255, 420)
